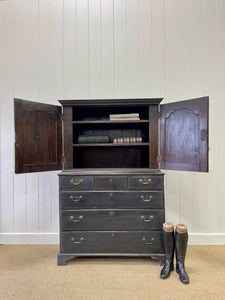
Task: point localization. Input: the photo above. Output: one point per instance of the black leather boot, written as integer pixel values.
(181, 238)
(168, 236)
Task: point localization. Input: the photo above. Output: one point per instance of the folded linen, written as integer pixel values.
(134, 116)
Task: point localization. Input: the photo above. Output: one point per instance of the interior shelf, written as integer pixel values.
(101, 122)
(111, 145)
(110, 122)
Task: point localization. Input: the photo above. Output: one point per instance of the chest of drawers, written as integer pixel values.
(111, 213)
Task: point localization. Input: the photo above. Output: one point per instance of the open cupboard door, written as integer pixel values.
(184, 135)
(38, 136)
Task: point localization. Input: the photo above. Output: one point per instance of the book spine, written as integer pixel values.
(127, 140)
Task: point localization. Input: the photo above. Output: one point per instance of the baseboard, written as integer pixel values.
(29, 238)
(53, 238)
(206, 239)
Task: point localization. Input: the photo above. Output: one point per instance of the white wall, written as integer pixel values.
(55, 49)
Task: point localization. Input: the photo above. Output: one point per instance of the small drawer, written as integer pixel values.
(87, 242)
(145, 182)
(111, 199)
(112, 219)
(110, 182)
(76, 182)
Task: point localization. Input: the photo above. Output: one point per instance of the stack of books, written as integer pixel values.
(124, 117)
(85, 139)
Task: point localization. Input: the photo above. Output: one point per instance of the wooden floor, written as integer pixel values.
(31, 272)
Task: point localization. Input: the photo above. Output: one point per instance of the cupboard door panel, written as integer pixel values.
(38, 133)
(184, 135)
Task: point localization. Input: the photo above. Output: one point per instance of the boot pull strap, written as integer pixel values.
(181, 228)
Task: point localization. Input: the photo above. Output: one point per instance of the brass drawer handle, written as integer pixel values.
(146, 200)
(148, 243)
(75, 242)
(145, 182)
(147, 220)
(76, 198)
(75, 182)
(76, 220)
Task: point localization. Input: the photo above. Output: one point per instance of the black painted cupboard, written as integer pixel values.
(111, 186)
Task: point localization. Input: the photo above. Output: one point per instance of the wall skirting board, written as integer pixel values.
(29, 238)
(53, 238)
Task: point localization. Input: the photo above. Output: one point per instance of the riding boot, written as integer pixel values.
(181, 238)
(168, 236)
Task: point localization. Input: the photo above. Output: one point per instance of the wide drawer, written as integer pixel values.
(145, 242)
(110, 182)
(112, 199)
(76, 182)
(112, 219)
(145, 182)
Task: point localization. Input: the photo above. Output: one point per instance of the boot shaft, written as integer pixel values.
(181, 240)
(168, 238)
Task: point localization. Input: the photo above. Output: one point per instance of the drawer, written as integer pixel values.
(112, 219)
(110, 182)
(76, 182)
(111, 199)
(144, 242)
(145, 182)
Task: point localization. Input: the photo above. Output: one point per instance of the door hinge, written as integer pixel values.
(159, 158)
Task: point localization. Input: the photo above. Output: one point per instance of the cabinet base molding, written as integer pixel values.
(64, 257)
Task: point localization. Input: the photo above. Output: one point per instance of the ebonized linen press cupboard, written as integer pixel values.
(111, 188)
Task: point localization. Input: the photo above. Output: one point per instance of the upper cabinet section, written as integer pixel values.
(117, 133)
(38, 133)
(184, 135)
(111, 133)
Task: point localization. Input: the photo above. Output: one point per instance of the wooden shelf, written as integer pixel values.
(110, 122)
(111, 145)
